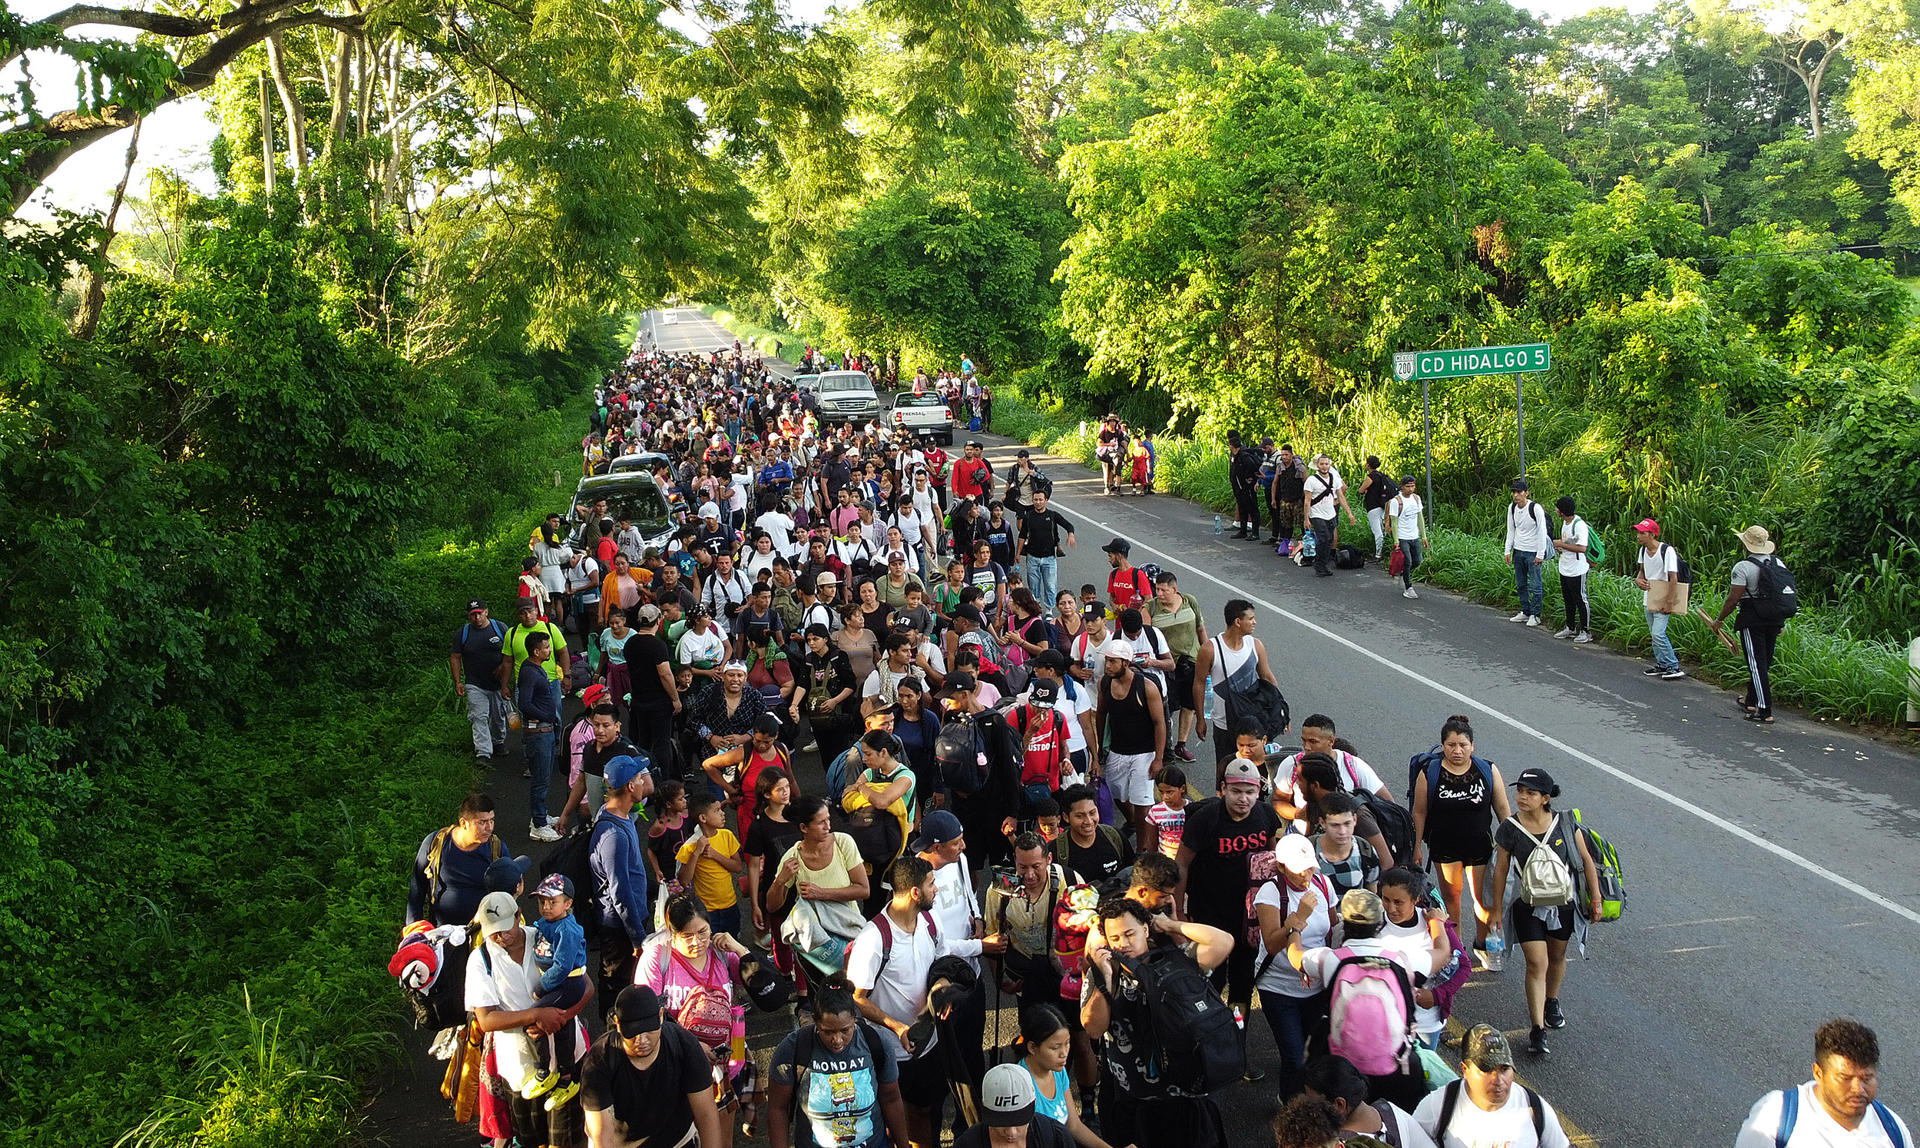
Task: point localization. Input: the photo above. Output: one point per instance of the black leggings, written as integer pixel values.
(1247, 510)
(1573, 595)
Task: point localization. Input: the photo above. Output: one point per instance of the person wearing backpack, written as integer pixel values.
(1573, 546)
(1297, 905)
(1839, 1106)
(836, 1081)
(1764, 593)
(1659, 563)
(1458, 796)
(1551, 858)
(1154, 1087)
(479, 664)
(1370, 981)
(695, 971)
(1525, 549)
(1486, 1105)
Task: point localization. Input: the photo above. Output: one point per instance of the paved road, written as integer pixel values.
(1769, 873)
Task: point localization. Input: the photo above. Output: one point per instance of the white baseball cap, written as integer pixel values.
(1294, 853)
(1118, 648)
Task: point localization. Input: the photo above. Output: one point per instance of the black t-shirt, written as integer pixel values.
(1217, 879)
(481, 650)
(1042, 1132)
(1097, 863)
(593, 759)
(1042, 534)
(646, 653)
(652, 1099)
(769, 840)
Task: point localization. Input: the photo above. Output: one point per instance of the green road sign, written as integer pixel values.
(1477, 361)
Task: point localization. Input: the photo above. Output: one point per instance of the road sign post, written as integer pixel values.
(1516, 360)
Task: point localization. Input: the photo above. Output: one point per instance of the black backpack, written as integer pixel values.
(1396, 824)
(961, 753)
(1349, 558)
(1041, 483)
(1683, 570)
(570, 859)
(1774, 600)
(1197, 1044)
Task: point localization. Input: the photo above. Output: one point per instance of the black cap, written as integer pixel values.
(1119, 546)
(636, 1011)
(1538, 780)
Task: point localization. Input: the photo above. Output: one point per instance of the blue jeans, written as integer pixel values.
(1043, 580)
(537, 745)
(1527, 583)
(1291, 1019)
(1663, 655)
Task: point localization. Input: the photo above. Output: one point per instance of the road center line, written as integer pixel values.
(1545, 738)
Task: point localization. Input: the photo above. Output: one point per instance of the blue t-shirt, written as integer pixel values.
(839, 1093)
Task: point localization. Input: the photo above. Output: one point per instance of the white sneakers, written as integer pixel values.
(1582, 638)
(1520, 617)
(1532, 622)
(541, 831)
(1563, 632)
(1409, 593)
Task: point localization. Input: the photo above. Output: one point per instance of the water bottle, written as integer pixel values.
(1496, 953)
(1217, 527)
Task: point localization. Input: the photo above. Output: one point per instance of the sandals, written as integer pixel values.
(1758, 718)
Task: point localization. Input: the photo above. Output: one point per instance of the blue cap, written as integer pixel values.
(623, 769)
(940, 827)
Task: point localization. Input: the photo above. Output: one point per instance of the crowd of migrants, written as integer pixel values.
(1011, 807)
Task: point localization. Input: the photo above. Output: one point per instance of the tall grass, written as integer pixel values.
(1823, 664)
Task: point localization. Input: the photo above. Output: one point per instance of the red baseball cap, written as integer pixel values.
(1647, 526)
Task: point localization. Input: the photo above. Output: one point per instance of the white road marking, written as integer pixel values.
(1680, 803)
(1701, 921)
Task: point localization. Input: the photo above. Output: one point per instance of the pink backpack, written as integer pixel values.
(708, 1011)
(1371, 1013)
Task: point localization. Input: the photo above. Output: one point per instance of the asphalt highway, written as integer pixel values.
(1769, 875)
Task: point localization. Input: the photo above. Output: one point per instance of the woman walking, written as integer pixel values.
(1546, 901)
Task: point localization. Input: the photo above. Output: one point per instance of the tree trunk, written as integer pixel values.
(296, 112)
(342, 91)
(96, 297)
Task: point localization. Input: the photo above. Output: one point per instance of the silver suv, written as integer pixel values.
(847, 396)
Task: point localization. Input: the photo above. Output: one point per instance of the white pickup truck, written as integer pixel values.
(923, 415)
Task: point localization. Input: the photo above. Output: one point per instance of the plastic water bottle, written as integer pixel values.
(1217, 527)
(1496, 953)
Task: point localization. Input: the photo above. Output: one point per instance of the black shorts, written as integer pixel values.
(923, 1080)
(1527, 927)
(1180, 690)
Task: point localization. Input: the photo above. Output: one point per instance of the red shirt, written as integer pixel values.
(967, 477)
(1127, 586)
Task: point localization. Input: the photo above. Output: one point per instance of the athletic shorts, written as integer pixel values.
(1127, 777)
(1527, 927)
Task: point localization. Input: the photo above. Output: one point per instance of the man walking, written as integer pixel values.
(1325, 490)
(1764, 593)
(541, 724)
(1839, 1106)
(1042, 530)
(1177, 616)
(1658, 563)
(1285, 494)
(1131, 720)
(1486, 1105)
(1572, 545)
(1243, 473)
(480, 676)
(1526, 546)
(617, 860)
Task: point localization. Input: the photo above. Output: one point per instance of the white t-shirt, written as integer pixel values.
(1662, 565)
(1086, 651)
(953, 904)
(1281, 977)
(779, 527)
(510, 987)
(1574, 563)
(1414, 938)
(708, 647)
(881, 682)
(1405, 510)
(899, 987)
(1331, 486)
(1318, 965)
(1511, 1126)
(1813, 1127)
(1354, 772)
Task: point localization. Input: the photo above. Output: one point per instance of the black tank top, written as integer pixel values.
(1129, 723)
